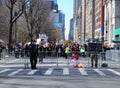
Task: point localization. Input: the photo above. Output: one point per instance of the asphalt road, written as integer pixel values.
(48, 75)
(59, 82)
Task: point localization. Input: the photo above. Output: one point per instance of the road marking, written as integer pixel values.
(7, 61)
(82, 71)
(13, 65)
(32, 72)
(5, 70)
(15, 72)
(49, 71)
(115, 72)
(65, 71)
(99, 72)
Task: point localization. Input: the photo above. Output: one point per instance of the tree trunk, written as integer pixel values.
(11, 26)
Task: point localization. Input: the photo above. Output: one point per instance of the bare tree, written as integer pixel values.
(3, 22)
(16, 8)
(37, 16)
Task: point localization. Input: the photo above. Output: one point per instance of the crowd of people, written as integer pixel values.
(35, 51)
(39, 51)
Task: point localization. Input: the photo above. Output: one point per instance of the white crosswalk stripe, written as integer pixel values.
(82, 71)
(32, 72)
(49, 71)
(15, 72)
(115, 72)
(65, 71)
(5, 70)
(99, 72)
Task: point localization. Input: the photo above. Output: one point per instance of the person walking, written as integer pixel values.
(67, 51)
(33, 54)
(82, 51)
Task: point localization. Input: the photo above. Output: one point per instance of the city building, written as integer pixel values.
(99, 22)
(71, 32)
(83, 21)
(88, 21)
(59, 23)
(59, 20)
(77, 21)
(112, 22)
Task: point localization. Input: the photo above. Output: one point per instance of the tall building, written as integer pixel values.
(98, 13)
(97, 20)
(71, 32)
(112, 22)
(59, 23)
(77, 21)
(59, 20)
(53, 4)
(83, 21)
(88, 21)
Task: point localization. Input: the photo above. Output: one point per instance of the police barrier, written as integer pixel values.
(110, 55)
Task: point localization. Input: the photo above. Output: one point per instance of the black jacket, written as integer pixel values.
(33, 50)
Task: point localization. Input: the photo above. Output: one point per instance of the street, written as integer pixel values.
(59, 43)
(59, 82)
(56, 73)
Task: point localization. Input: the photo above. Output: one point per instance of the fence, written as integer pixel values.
(113, 55)
(110, 55)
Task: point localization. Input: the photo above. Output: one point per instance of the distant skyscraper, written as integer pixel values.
(71, 33)
(54, 5)
(59, 17)
(55, 1)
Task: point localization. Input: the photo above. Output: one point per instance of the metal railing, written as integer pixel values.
(110, 56)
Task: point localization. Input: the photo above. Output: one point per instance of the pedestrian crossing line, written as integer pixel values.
(5, 70)
(115, 72)
(82, 71)
(15, 72)
(49, 71)
(32, 72)
(99, 72)
(65, 71)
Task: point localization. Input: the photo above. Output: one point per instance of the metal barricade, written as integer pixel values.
(111, 57)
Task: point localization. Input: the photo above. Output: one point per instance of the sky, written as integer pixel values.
(66, 6)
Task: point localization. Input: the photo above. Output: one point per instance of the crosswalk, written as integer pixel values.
(60, 71)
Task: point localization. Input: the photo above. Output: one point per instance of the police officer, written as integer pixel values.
(33, 54)
(94, 58)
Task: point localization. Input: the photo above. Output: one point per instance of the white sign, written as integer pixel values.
(43, 36)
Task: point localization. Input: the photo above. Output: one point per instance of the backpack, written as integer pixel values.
(104, 65)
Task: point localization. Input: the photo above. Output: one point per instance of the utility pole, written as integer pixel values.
(102, 24)
(93, 21)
